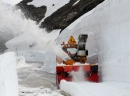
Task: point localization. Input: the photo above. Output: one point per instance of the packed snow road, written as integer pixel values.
(33, 81)
(33, 76)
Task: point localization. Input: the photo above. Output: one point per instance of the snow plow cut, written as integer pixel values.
(78, 55)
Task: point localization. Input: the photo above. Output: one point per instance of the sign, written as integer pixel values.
(71, 40)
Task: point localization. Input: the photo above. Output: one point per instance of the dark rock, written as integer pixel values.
(32, 12)
(61, 18)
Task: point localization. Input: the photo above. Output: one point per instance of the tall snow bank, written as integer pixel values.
(109, 36)
(8, 75)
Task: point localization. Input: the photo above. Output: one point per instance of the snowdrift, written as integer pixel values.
(8, 75)
(109, 36)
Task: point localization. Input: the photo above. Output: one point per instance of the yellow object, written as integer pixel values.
(71, 40)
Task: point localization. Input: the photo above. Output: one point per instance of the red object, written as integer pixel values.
(63, 72)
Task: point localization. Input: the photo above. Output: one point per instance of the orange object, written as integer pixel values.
(69, 62)
(80, 54)
(71, 40)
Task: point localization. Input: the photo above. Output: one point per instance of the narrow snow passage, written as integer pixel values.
(33, 76)
(35, 82)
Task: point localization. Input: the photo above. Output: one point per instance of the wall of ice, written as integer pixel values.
(8, 75)
(109, 36)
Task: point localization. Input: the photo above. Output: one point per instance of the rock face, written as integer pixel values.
(61, 18)
(69, 13)
(34, 13)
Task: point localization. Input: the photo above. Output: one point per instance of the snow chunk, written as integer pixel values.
(8, 75)
(73, 89)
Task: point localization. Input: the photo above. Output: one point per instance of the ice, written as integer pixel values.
(8, 75)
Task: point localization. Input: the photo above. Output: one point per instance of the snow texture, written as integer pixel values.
(8, 75)
(12, 2)
(108, 31)
(72, 88)
(109, 36)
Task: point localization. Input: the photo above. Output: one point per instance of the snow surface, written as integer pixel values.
(8, 75)
(108, 30)
(96, 89)
(12, 2)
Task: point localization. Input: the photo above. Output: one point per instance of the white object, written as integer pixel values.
(8, 75)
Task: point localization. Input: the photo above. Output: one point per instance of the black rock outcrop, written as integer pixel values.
(32, 12)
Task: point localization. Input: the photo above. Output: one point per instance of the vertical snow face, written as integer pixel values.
(13, 22)
(8, 75)
(109, 36)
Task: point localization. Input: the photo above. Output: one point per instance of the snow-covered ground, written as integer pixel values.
(96, 89)
(108, 29)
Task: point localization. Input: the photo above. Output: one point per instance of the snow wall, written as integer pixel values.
(108, 28)
(8, 75)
